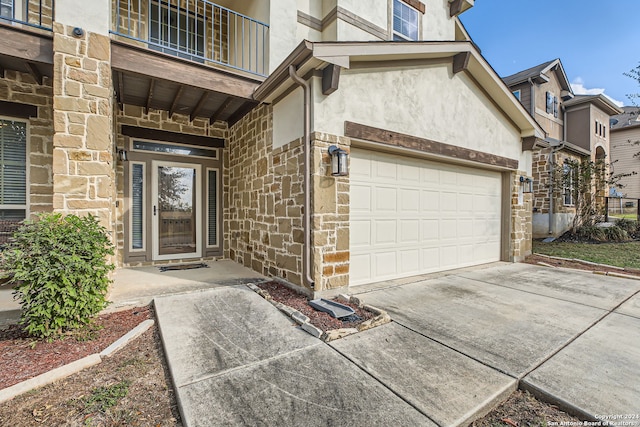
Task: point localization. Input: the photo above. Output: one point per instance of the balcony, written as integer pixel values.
(196, 30)
(27, 13)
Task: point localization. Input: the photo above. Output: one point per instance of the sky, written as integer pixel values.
(596, 40)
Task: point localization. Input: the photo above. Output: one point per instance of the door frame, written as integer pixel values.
(155, 232)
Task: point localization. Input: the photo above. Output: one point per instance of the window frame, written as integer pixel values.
(401, 36)
(517, 94)
(27, 167)
(207, 208)
(568, 185)
(144, 206)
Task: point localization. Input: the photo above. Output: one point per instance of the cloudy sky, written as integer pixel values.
(596, 40)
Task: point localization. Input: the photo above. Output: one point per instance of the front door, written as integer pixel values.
(176, 210)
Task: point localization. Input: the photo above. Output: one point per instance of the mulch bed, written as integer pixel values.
(319, 319)
(22, 357)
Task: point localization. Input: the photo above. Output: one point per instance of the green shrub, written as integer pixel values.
(591, 232)
(59, 271)
(616, 234)
(627, 225)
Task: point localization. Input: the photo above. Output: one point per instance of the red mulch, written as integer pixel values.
(319, 319)
(22, 357)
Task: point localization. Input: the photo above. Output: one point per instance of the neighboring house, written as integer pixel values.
(188, 127)
(576, 128)
(625, 145)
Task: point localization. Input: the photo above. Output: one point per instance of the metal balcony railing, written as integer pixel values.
(31, 13)
(198, 30)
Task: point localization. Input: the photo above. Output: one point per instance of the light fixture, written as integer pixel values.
(527, 184)
(122, 155)
(339, 161)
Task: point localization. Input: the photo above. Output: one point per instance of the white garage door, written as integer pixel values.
(411, 216)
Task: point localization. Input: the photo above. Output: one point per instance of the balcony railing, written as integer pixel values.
(30, 13)
(198, 30)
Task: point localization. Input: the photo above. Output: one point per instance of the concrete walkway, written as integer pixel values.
(459, 345)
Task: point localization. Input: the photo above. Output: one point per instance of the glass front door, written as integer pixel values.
(177, 210)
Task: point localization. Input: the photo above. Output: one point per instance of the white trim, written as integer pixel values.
(198, 210)
(144, 207)
(27, 165)
(215, 151)
(217, 171)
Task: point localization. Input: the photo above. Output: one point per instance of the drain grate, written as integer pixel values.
(182, 267)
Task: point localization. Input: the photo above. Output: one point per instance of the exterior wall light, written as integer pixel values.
(339, 161)
(527, 184)
(122, 155)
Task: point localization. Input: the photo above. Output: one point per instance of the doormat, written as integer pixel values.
(182, 267)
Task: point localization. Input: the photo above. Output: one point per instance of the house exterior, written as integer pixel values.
(575, 127)
(196, 130)
(625, 143)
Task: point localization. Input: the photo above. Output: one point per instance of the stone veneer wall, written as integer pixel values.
(521, 220)
(263, 199)
(540, 174)
(330, 216)
(83, 168)
(22, 88)
(154, 119)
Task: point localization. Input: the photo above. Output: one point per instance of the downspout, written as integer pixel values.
(306, 147)
(533, 98)
(552, 163)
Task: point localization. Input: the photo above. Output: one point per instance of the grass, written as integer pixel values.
(631, 216)
(103, 398)
(618, 254)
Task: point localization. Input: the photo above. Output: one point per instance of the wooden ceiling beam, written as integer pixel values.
(218, 113)
(152, 85)
(198, 108)
(33, 70)
(174, 104)
(120, 91)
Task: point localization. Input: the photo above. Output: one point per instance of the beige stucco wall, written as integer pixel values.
(283, 31)
(579, 127)
(92, 16)
(288, 118)
(624, 144)
(427, 102)
(554, 126)
(436, 22)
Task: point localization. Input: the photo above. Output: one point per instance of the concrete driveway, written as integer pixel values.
(459, 344)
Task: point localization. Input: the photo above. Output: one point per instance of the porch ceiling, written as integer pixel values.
(27, 51)
(155, 80)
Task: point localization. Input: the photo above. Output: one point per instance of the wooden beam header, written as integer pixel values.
(396, 139)
(21, 111)
(166, 136)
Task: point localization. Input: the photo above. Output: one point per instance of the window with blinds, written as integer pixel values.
(13, 170)
(212, 207)
(137, 206)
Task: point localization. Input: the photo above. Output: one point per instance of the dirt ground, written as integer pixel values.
(131, 388)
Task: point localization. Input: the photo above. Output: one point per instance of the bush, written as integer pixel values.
(616, 234)
(627, 225)
(59, 271)
(591, 232)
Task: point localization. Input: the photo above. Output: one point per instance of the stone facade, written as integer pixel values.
(83, 166)
(263, 194)
(521, 217)
(22, 88)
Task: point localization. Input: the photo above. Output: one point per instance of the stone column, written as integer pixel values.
(83, 164)
(330, 218)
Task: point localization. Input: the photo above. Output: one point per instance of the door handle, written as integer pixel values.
(154, 210)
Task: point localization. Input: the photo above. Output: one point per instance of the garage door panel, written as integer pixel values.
(360, 233)
(429, 230)
(409, 231)
(360, 198)
(411, 216)
(384, 233)
(385, 264)
(409, 200)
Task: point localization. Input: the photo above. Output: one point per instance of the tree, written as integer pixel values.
(635, 75)
(586, 182)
